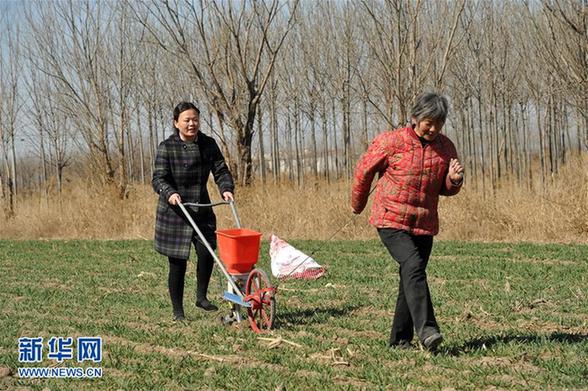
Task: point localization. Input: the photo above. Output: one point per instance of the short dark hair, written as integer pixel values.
(432, 106)
(183, 106)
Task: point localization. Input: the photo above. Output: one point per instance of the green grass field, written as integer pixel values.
(513, 316)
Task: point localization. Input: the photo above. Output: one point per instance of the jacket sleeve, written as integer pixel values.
(162, 176)
(449, 188)
(220, 171)
(372, 162)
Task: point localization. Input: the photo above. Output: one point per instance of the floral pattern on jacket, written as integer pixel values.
(411, 178)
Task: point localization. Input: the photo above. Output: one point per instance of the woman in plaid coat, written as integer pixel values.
(183, 164)
(415, 165)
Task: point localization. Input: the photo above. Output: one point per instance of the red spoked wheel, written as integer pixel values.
(261, 295)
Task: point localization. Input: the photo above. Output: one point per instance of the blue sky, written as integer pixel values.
(9, 7)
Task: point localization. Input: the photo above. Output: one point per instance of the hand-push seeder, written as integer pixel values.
(247, 287)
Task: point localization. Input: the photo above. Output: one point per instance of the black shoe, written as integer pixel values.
(433, 341)
(401, 345)
(206, 305)
(179, 317)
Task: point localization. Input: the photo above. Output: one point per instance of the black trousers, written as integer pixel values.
(177, 273)
(414, 309)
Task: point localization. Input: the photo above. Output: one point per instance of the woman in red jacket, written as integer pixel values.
(415, 165)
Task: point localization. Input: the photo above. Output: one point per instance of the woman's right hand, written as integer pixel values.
(455, 171)
(174, 199)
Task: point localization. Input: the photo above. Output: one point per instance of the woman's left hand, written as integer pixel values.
(228, 196)
(455, 171)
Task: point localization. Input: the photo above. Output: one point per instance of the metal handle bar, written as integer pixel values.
(213, 204)
(211, 251)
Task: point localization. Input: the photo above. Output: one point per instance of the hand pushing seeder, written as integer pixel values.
(247, 286)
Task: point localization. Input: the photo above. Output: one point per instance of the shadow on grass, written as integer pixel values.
(289, 319)
(489, 341)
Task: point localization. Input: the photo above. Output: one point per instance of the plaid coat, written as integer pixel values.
(184, 168)
(412, 177)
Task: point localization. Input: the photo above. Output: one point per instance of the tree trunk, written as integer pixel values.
(345, 137)
(131, 154)
(313, 142)
(526, 149)
(335, 148)
(564, 133)
(44, 171)
(59, 173)
(9, 207)
(550, 136)
(274, 142)
(123, 180)
(365, 140)
(471, 143)
(13, 162)
(325, 130)
(296, 150)
(2, 190)
(152, 140)
(244, 153)
(347, 128)
(481, 138)
(262, 170)
(290, 160)
(141, 149)
(579, 134)
(492, 147)
(541, 145)
(499, 144)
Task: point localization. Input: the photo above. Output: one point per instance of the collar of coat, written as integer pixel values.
(179, 139)
(415, 137)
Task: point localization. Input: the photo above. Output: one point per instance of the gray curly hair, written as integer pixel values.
(430, 105)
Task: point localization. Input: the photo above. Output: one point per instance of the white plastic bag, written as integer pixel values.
(288, 262)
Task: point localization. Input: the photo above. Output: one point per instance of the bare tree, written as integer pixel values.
(49, 137)
(69, 41)
(560, 31)
(229, 49)
(10, 105)
(124, 54)
(405, 42)
(106, 75)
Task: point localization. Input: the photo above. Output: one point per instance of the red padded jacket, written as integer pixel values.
(412, 177)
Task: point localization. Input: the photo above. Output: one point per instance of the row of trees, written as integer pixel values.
(291, 90)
